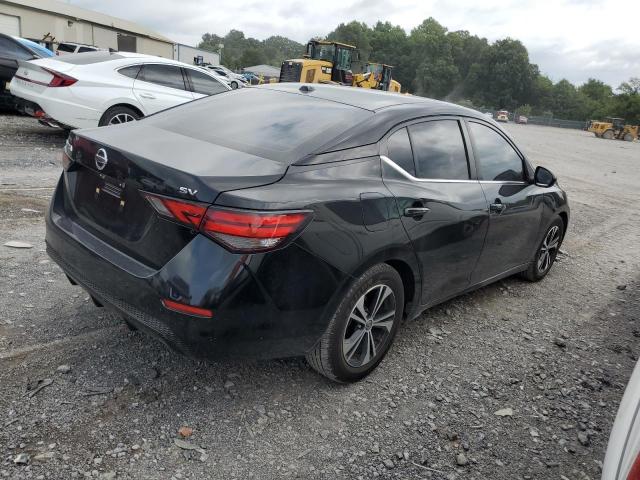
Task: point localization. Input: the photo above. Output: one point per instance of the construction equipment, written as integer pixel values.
(376, 76)
(324, 62)
(614, 128)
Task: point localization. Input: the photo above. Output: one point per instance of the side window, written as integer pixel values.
(165, 75)
(497, 160)
(86, 49)
(439, 150)
(399, 150)
(204, 84)
(131, 72)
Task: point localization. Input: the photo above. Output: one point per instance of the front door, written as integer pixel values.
(443, 210)
(513, 202)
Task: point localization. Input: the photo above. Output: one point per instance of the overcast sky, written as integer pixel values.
(573, 39)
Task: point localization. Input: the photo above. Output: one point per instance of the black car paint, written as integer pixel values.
(279, 303)
(9, 64)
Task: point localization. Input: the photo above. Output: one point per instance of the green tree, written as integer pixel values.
(353, 33)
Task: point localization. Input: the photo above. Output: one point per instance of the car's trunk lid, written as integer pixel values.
(113, 167)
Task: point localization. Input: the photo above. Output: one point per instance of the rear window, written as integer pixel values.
(63, 47)
(271, 124)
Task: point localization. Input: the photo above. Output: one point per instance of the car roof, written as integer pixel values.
(368, 99)
(123, 58)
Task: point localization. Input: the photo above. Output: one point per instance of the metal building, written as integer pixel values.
(52, 22)
(196, 56)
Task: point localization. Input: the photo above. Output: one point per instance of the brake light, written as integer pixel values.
(187, 213)
(58, 79)
(241, 231)
(249, 231)
(634, 473)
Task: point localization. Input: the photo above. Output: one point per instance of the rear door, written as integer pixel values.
(443, 209)
(513, 202)
(159, 86)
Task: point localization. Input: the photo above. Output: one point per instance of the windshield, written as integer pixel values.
(322, 52)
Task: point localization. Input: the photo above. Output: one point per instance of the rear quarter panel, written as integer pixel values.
(341, 195)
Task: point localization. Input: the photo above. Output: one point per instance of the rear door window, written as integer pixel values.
(204, 84)
(86, 49)
(439, 150)
(496, 158)
(399, 150)
(131, 72)
(166, 75)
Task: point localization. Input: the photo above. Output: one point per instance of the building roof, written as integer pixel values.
(77, 13)
(266, 70)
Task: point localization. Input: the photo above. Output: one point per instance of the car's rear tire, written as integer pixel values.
(546, 252)
(119, 114)
(362, 328)
(234, 84)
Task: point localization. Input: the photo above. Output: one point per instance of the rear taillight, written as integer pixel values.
(187, 213)
(634, 473)
(248, 231)
(58, 79)
(241, 231)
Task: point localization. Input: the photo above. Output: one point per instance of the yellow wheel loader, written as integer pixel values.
(376, 76)
(323, 62)
(614, 128)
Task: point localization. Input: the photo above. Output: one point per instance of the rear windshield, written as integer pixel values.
(271, 124)
(89, 58)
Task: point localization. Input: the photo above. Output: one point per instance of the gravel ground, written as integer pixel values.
(514, 381)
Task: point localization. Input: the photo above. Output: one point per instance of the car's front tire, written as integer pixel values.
(362, 327)
(546, 253)
(234, 84)
(117, 115)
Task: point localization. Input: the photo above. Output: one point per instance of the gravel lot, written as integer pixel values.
(553, 357)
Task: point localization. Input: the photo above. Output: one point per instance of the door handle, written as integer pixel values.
(497, 207)
(415, 211)
(148, 95)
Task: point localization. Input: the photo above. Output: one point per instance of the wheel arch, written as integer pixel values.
(123, 103)
(404, 262)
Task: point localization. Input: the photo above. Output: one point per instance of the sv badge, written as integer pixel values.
(185, 190)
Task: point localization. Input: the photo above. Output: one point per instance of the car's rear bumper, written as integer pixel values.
(59, 104)
(255, 313)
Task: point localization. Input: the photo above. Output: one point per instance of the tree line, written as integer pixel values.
(452, 65)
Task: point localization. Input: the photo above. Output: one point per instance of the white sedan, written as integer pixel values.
(102, 88)
(622, 461)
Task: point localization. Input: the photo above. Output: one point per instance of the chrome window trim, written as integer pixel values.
(407, 175)
(504, 182)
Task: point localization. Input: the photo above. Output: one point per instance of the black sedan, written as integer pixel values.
(13, 49)
(294, 219)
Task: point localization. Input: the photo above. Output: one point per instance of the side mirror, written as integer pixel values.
(543, 177)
